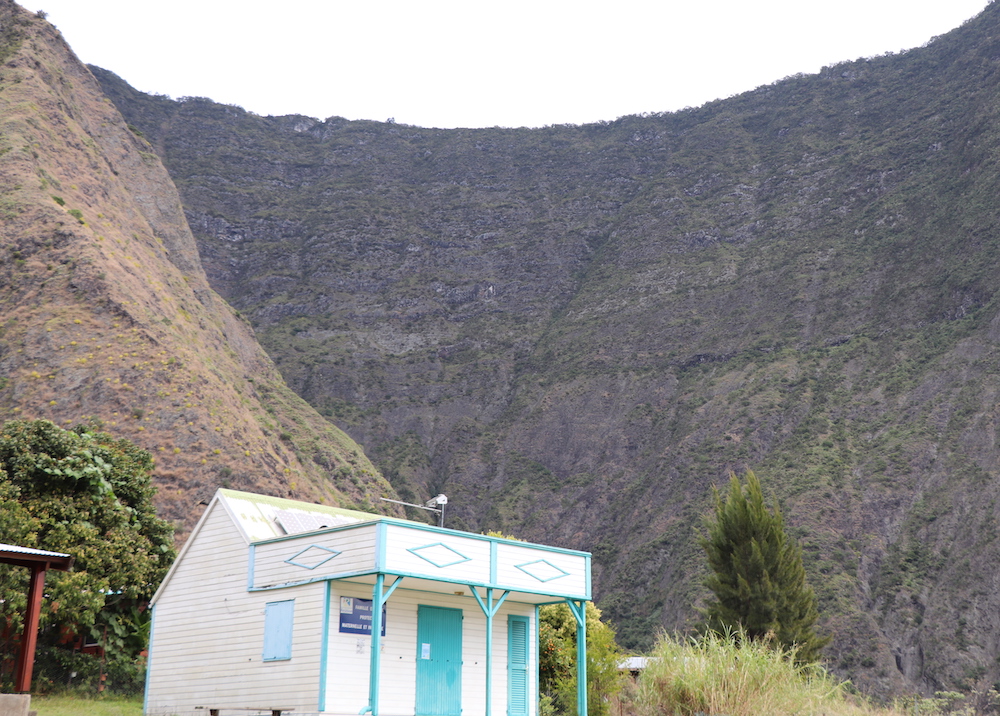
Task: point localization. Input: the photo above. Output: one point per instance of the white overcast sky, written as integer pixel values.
(463, 63)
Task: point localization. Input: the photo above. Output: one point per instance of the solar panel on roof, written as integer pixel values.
(295, 521)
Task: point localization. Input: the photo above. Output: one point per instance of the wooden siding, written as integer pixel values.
(288, 561)
(540, 570)
(208, 633)
(448, 557)
(349, 655)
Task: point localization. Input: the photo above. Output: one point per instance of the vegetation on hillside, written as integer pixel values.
(107, 317)
(575, 332)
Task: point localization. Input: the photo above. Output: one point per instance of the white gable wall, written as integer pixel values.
(208, 632)
(350, 654)
(209, 621)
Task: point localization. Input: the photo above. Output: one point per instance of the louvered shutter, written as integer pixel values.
(517, 666)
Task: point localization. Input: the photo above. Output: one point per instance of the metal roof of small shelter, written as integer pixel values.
(29, 556)
(38, 561)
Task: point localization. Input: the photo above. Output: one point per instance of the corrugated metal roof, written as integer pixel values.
(263, 517)
(30, 550)
(31, 557)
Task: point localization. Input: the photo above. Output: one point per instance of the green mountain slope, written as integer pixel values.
(105, 312)
(576, 331)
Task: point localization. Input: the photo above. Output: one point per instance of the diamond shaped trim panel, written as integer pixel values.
(312, 556)
(440, 555)
(542, 570)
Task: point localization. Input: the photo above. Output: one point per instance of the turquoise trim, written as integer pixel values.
(579, 609)
(489, 609)
(448, 561)
(379, 597)
(380, 546)
(493, 608)
(376, 646)
(323, 559)
(390, 590)
(557, 597)
(588, 581)
(540, 572)
(537, 691)
(489, 646)
(385, 521)
(324, 653)
(368, 585)
(149, 659)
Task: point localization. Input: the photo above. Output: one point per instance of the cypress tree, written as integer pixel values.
(757, 578)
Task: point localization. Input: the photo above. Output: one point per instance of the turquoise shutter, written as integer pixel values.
(517, 666)
(278, 617)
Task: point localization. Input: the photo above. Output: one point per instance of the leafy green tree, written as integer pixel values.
(758, 579)
(87, 494)
(557, 660)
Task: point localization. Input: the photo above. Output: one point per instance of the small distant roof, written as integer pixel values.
(634, 663)
(263, 517)
(13, 554)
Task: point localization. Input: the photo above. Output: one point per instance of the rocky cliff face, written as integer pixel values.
(107, 316)
(576, 331)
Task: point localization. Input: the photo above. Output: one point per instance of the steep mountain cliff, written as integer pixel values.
(576, 331)
(107, 316)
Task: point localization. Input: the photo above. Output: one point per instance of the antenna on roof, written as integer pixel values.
(441, 500)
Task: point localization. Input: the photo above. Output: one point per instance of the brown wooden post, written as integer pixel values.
(29, 637)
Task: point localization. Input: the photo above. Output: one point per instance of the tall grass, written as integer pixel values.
(716, 675)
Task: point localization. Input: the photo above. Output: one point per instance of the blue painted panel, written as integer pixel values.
(517, 666)
(278, 619)
(439, 661)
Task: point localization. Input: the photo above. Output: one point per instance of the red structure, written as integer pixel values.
(38, 561)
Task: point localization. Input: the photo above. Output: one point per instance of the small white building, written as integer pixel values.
(275, 605)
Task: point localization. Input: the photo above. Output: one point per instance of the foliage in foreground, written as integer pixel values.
(557, 649)
(757, 577)
(87, 494)
(716, 674)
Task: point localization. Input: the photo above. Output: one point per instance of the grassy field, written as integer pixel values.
(82, 706)
(718, 676)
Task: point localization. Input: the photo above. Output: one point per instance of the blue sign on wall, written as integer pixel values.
(356, 616)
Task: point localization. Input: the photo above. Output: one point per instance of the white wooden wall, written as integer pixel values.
(291, 560)
(208, 633)
(349, 659)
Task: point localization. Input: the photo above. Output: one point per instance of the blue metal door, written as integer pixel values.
(439, 661)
